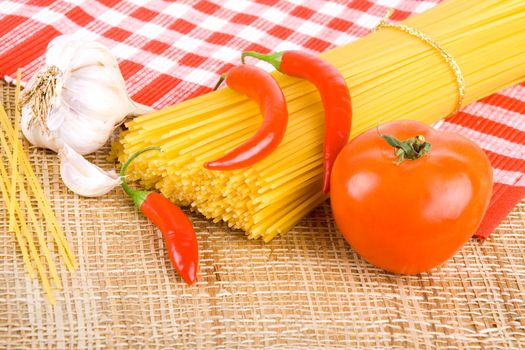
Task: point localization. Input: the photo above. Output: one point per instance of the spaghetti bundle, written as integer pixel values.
(20, 189)
(391, 75)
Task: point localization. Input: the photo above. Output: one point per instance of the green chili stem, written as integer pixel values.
(221, 79)
(275, 59)
(137, 195)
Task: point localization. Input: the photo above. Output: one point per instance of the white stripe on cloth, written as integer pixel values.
(511, 178)
(498, 114)
(489, 142)
(516, 91)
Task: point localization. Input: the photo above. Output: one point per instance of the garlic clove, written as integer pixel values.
(98, 91)
(83, 177)
(83, 133)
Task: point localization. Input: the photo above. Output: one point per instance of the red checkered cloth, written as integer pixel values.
(170, 51)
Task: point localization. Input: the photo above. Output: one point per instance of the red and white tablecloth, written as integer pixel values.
(169, 51)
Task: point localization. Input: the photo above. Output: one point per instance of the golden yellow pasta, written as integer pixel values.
(24, 235)
(14, 165)
(24, 219)
(391, 75)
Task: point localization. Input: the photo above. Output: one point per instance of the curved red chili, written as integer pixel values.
(334, 95)
(260, 86)
(176, 228)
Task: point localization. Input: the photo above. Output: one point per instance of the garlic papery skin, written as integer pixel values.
(83, 177)
(78, 97)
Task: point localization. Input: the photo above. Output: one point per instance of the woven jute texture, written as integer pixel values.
(306, 290)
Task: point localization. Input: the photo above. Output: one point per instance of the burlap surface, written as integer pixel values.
(305, 290)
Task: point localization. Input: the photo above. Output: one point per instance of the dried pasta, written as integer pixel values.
(391, 75)
(24, 217)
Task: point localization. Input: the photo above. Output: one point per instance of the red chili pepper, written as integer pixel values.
(334, 95)
(260, 86)
(176, 228)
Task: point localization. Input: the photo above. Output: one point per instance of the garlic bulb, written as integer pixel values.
(83, 177)
(73, 104)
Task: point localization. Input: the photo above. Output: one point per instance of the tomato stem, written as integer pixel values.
(412, 148)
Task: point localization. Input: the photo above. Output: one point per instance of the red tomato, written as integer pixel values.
(409, 217)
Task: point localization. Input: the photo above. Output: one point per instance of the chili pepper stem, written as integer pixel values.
(275, 59)
(221, 79)
(412, 148)
(137, 196)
